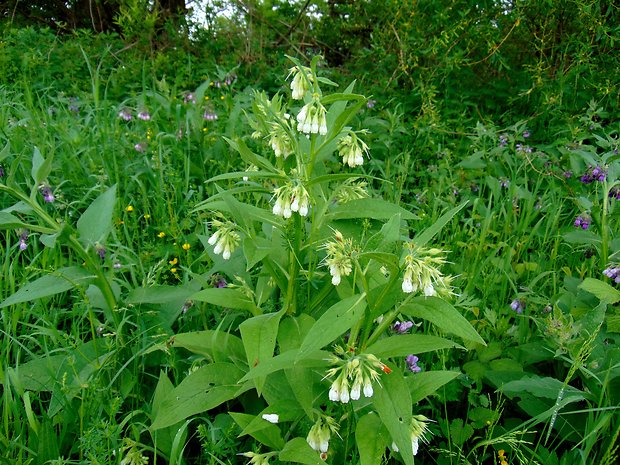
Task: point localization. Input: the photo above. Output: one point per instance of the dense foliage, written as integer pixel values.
(345, 232)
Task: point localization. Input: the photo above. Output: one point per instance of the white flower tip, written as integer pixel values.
(336, 279)
(271, 417)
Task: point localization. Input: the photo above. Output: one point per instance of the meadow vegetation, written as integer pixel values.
(312, 232)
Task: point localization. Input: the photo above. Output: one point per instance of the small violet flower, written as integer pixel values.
(209, 115)
(402, 327)
(614, 193)
(583, 221)
(23, 240)
(125, 114)
(412, 363)
(46, 192)
(144, 116)
(518, 305)
(597, 173)
(613, 273)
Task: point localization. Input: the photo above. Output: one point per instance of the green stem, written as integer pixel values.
(388, 318)
(290, 302)
(604, 234)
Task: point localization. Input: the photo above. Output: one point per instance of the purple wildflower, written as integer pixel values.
(583, 221)
(139, 147)
(23, 239)
(371, 103)
(46, 192)
(503, 140)
(503, 182)
(209, 116)
(567, 174)
(594, 174)
(125, 114)
(402, 327)
(189, 98)
(100, 251)
(412, 363)
(144, 116)
(613, 272)
(523, 148)
(518, 305)
(614, 193)
(220, 283)
(526, 134)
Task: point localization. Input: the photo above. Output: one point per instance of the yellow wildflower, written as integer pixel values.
(129, 208)
(186, 246)
(161, 235)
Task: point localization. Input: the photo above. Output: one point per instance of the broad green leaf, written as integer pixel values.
(393, 403)
(218, 345)
(269, 434)
(334, 322)
(8, 221)
(286, 409)
(405, 344)
(460, 432)
(297, 450)
(226, 297)
(426, 383)
(60, 281)
(444, 316)
(286, 360)
(96, 222)
(430, 232)
(540, 387)
(389, 233)
(160, 294)
(293, 330)
(377, 209)
(202, 390)
(602, 290)
(41, 167)
(164, 437)
(372, 439)
(306, 385)
(259, 340)
(255, 249)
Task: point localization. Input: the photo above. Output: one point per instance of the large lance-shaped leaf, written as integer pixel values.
(8, 221)
(269, 434)
(41, 167)
(218, 345)
(428, 382)
(393, 403)
(405, 344)
(203, 390)
(259, 340)
(601, 289)
(372, 439)
(443, 315)
(226, 297)
(334, 322)
(297, 450)
(429, 233)
(377, 209)
(96, 222)
(51, 284)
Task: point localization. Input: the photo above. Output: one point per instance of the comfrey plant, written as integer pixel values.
(327, 271)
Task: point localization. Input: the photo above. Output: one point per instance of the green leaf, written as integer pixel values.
(269, 434)
(426, 383)
(430, 232)
(376, 209)
(218, 345)
(96, 222)
(405, 344)
(540, 387)
(159, 294)
(286, 409)
(255, 249)
(226, 297)
(601, 289)
(259, 340)
(40, 167)
(372, 439)
(297, 450)
(288, 359)
(334, 322)
(202, 390)
(444, 316)
(393, 404)
(389, 233)
(460, 433)
(60, 281)
(8, 221)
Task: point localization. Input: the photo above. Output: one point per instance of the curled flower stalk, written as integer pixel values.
(422, 272)
(312, 119)
(321, 432)
(225, 239)
(352, 149)
(291, 198)
(354, 375)
(301, 82)
(338, 258)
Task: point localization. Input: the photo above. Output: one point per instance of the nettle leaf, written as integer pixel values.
(444, 316)
(426, 383)
(372, 439)
(299, 451)
(393, 403)
(269, 434)
(226, 297)
(61, 280)
(600, 289)
(460, 432)
(204, 389)
(333, 323)
(259, 340)
(218, 345)
(96, 222)
(377, 209)
(405, 344)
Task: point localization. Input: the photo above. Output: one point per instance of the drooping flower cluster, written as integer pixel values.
(613, 272)
(614, 193)
(597, 173)
(23, 239)
(291, 198)
(338, 257)
(352, 149)
(144, 115)
(125, 114)
(280, 141)
(422, 272)
(46, 192)
(302, 80)
(312, 118)
(350, 190)
(321, 432)
(583, 221)
(402, 327)
(354, 375)
(419, 432)
(225, 238)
